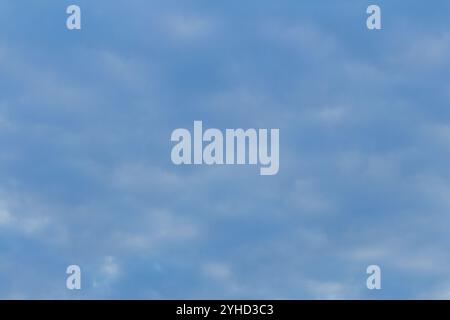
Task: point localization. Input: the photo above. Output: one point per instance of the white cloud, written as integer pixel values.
(438, 292)
(217, 271)
(5, 217)
(330, 290)
(25, 215)
(304, 37)
(438, 133)
(423, 52)
(307, 198)
(110, 267)
(157, 229)
(188, 27)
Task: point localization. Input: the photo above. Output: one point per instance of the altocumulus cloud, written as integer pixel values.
(86, 179)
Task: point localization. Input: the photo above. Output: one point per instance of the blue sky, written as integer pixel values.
(85, 170)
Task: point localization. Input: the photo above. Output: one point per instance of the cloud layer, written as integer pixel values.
(85, 171)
